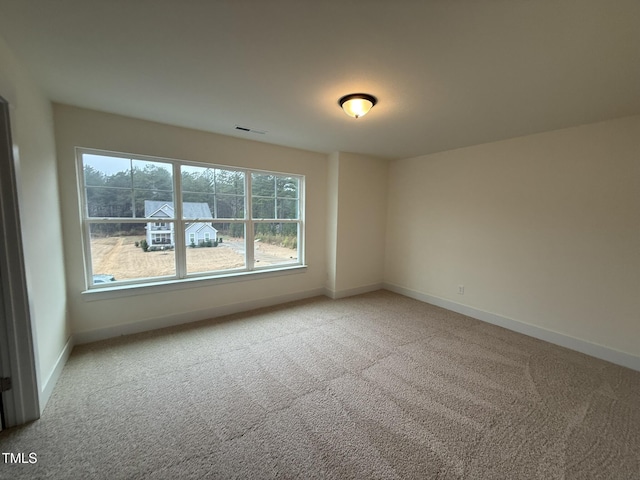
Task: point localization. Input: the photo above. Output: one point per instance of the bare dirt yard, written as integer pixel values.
(118, 256)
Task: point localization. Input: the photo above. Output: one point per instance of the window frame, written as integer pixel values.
(179, 224)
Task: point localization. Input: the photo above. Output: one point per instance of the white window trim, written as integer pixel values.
(130, 290)
(179, 224)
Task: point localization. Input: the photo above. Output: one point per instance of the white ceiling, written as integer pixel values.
(447, 73)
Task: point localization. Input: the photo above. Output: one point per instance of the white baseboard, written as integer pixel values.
(583, 346)
(188, 317)
(350, 292)
(47, 387)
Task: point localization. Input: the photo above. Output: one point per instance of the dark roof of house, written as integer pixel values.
(189, 209)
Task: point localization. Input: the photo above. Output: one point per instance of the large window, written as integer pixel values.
(149, 219)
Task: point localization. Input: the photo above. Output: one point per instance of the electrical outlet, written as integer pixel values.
(461, 289)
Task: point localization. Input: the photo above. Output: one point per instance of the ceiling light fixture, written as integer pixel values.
(357, 104)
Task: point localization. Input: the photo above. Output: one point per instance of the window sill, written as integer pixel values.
(119, 291)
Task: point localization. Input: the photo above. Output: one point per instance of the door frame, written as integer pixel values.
(21, 402)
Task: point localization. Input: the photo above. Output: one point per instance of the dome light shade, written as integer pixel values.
(357, 104)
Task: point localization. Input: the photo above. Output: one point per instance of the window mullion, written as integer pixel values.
(275, 197)
(248, 224)
(133, 190)
(179, 226)
(215, 194)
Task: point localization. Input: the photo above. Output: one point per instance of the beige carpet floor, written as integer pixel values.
(377, 386)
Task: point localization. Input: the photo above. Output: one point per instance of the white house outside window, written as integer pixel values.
(150, 219)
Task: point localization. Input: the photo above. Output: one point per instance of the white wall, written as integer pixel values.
(100, 318)
(543, 230)
(38, 195)
(332, 221)
(357, 217)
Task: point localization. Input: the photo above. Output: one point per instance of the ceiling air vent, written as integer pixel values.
(252, 130)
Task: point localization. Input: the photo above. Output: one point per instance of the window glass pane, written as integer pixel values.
(221, 190)
(130, 251)
(155, 176)
(197, 179)
(108, 202)
(287, 187)
(263, 185)
(198, 205)
(275, 196)
(196, 210)
(287, 208)
(100, 170)
(119, 179)
(229, 182)
(154, 204)
(153, 189)
(275, 243)
(264, 207)
(229, 206)
(108, 181)
(223, 250)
